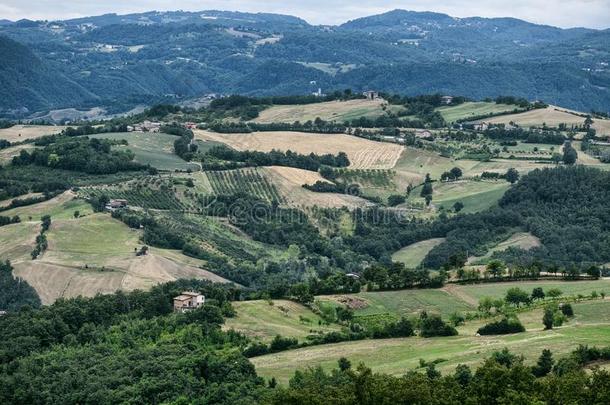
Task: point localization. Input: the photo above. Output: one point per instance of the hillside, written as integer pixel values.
(162, 58)
(416, 237)
(28, 84)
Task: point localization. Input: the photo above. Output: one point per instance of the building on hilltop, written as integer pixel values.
(370, 95)
(187, 301)
(447, 99)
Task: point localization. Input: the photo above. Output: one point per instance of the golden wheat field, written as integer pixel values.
(18, 133)
(362, 153)
(290, 180)
(551, 116)
(329, 111)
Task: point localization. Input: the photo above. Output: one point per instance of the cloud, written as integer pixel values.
(563, 13)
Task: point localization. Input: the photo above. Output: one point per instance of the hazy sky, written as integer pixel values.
(563, 13)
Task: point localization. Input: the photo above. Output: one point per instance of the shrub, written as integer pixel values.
(502, 327)
(433, 325)
(567, 310)
(280, 343)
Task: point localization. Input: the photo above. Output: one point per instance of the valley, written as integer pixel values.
(220, 207)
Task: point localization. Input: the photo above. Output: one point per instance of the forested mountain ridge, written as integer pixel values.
(24, 76)
(118, 62)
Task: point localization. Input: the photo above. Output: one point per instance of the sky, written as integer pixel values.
(561, 13)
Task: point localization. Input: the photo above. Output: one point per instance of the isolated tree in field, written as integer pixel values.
(456, 172)
(427, 187)
(538, 293)
(458, 206)
(512, 175)
(569, 154)
(76, 214)
(567, 310)
(548, 318)
(496, 268)
(554, 292)
(517, 296)
(588, 122)
(544, 364)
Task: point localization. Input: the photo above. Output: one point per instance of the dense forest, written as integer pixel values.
(15, 293)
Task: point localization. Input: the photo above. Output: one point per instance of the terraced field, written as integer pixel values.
(396, 356)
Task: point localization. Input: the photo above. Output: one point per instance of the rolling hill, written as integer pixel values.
(28, 84)
(120, 61)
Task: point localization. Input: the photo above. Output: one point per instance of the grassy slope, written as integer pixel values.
(89, 255)
(472, 109)
(262, 321)
(397, 356)
(568, 287)
(18, 133)
(339, 111)
(403, 302)
(151, 148)
(591, 325)
(523, 240)
(96, 238)
(552, 116)
(475, 195)
(62, 206)
(412, 255)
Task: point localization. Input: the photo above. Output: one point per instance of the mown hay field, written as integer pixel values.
(289, 182)
(18, 133)
(362, 153)
(552, 116)
(473, 109)
(521, 240)
(87, 255)
(397, 356)
(590, 326)
(338, 111)
(413, 254)
(263, 320)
